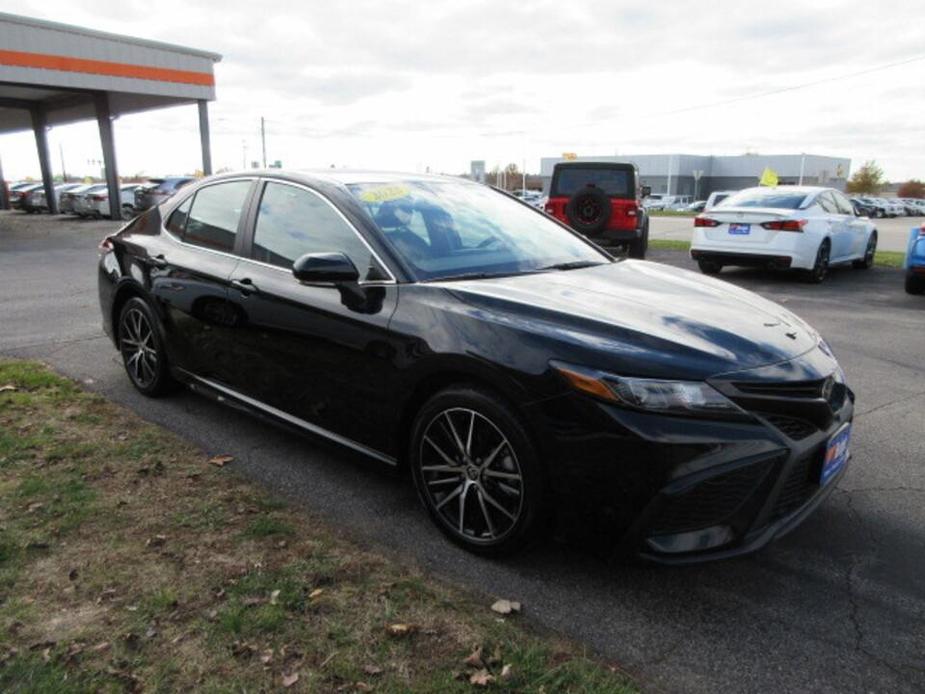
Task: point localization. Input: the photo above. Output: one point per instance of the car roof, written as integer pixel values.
(345, 176)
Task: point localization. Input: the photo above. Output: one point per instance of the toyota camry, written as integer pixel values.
(518, 371)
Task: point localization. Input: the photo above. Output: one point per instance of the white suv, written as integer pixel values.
(789, 227)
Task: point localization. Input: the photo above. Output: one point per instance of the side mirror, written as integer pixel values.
(325, 267)
(645, 191)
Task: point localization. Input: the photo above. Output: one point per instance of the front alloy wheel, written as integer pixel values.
(476, 472)
(868, 260)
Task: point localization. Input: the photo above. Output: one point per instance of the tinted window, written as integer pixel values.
(176, 223)
(293, 221)
(213, 221)
(765, 198)
(617, 182)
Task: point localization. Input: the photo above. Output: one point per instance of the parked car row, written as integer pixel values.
(92, 200)
(877, 208)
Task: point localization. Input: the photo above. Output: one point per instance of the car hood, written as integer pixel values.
(643, 318)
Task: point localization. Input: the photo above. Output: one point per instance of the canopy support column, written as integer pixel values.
(204, 137)
(104, 120)
(40, 128)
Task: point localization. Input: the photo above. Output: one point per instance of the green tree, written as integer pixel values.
(912, 188)
(868, 179)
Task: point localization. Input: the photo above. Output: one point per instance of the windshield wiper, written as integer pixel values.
(573, 265)
(472, 276)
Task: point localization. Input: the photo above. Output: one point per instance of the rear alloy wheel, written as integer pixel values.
(142, 350)
(637, 247)
(821, 266)
(868, 260)
(476, 472)
(709, 267)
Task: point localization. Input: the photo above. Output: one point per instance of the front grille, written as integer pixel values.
(795, 389)
(801, 483)
(796, 429)
(710, 502)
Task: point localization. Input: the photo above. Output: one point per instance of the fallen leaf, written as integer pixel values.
(8, 388)
(274, 597)
(372, 670)
(221, 461)
(505, 606)
(289, 680)
(363, 687)
(475, 658)
(242, 649)
(267, 657)
(482, 678)
(101, 647)
(36, 506)
(156, 541)
(315, 594)
(506, 672)
(399, 630)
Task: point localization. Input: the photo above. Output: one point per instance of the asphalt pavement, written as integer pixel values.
(836, 606)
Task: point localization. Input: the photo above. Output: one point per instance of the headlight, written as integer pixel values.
(687, 398)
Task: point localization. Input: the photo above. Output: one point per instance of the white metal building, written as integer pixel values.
(698, 176)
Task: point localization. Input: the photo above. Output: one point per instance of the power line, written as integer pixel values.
(793, 88)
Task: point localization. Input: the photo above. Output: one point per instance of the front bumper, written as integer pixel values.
(677, 490)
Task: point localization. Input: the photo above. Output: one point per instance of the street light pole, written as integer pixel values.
(263, 141)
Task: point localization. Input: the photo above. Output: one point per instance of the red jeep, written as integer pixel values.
(602, 201)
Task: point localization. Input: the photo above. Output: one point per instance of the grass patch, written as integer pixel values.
(672, 213)
(889, 259)
(128, 562)
(669, 245)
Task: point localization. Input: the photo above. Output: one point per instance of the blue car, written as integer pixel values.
(915, 262)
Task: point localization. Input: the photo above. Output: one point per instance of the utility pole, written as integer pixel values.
(243, 154)
(63, 169)
(263, 140)
(802, 166)
(523, 188)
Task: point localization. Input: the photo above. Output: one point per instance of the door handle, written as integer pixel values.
(158, 261)
(244, 285)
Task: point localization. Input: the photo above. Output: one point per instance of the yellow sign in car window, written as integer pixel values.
(385, 193)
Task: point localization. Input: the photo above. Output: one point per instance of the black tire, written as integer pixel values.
(142, 349)
(499, 505)
(821, 266)
(867, 261)
(709, 267)
(914, 285)
(637, 247)
(588, 211)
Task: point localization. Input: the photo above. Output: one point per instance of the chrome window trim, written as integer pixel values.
(340, 214)
(173, 237)
(301, 423)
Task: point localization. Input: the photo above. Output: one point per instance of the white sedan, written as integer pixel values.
(787, 227)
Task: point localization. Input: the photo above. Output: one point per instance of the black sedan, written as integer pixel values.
(519, 371)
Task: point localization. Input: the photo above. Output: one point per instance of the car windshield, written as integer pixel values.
(765, 198)
(613, 181)
(446, 230)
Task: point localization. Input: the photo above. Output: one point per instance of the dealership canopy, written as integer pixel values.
(52, 74)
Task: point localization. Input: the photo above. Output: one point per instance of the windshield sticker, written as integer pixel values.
(384, 193)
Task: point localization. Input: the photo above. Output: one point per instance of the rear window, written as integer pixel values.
(616, 182)
(762, 198)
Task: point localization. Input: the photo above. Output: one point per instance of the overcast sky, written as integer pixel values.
(411, 85)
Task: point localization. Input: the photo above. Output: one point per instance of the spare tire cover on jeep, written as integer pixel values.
(588, 210)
